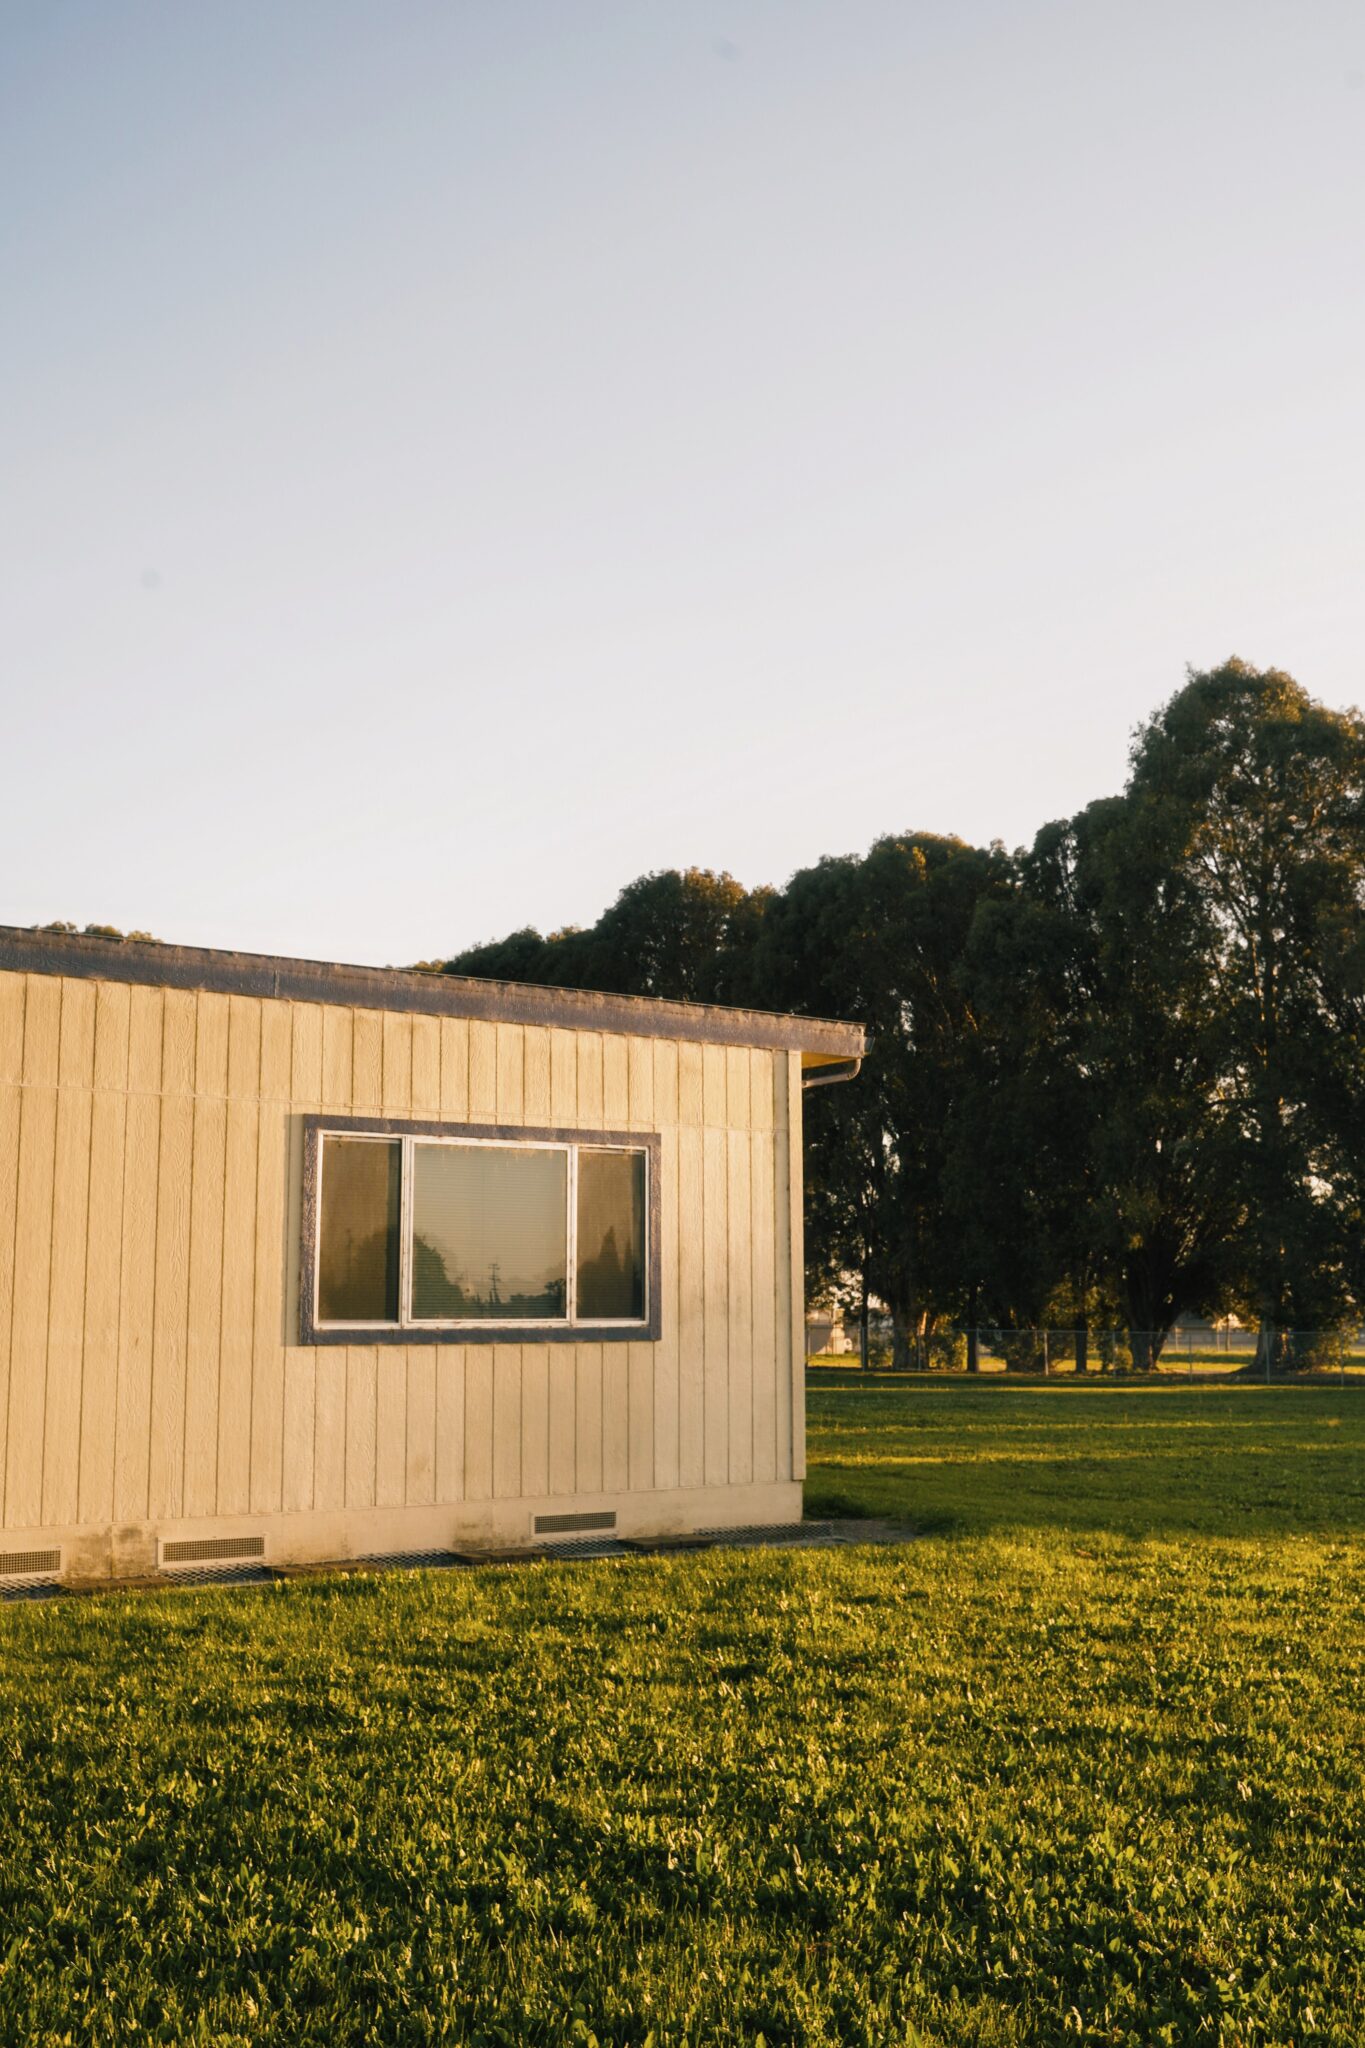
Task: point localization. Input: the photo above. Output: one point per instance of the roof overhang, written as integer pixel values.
(822, 1042)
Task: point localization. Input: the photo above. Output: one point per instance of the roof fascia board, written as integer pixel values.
(400, 989)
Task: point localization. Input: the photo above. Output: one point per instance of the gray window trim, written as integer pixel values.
(311, 1332)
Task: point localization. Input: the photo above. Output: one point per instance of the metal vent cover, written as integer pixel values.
(562, 1525)
(204, 1549)
(22, 1563)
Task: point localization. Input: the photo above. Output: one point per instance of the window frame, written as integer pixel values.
(317, 1127)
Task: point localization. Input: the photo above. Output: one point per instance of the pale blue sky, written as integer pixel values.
(461, 456)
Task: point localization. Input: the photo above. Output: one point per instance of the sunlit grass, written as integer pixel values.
(1085, 1765)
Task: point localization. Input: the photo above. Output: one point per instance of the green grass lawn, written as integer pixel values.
(1083, 1765)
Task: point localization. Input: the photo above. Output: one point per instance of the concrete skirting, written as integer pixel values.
(135, 1550)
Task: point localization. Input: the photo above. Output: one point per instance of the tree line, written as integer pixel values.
(1114, 1077)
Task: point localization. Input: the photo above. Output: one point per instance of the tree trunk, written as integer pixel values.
(864, 1355)
(901, 1359)
(1082, 1348)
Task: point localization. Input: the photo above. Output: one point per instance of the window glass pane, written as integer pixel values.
(490, 1233)
(611, 1236)
(358, 1231)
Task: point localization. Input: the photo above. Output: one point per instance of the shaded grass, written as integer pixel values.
(1057, 1775)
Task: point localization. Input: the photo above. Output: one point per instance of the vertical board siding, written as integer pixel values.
(307, 1087)
(419, 1479)
(615, 1357)
(103, 1249)
(184, 1444)
(359, 1423)
(478, 1421)
(455, 1070)
(536, 1075)
(185, 1364)
(740, 1331)
(270, 1261)
(510, 1074)
(561, 1373)
(150, 1189)
(367, 1062)
(11, 1101)
(397, 1072)
(535, 1419)
(615, 1082)
(390, 1425)
(509, 1108)
(480, 1360)
(450, 1400)
(691, 1308)
(390, 1409)
(137, 1270)
(13, 990)
(238, 1315)
(337, 1049)
(796, 1259)
(32, 1253)
(764, 1339)
(587, 1367)
(715, 1309)
(788, 1336)
(329, 1427)
(665, 1117)
(70, 1216)
(483, 1072)
(507, 1420)
(739, 1262)
(587, 1358)
(426, 1066)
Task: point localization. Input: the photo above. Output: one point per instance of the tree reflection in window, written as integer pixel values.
(611, 1235)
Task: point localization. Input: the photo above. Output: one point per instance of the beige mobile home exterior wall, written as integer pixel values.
(152, 1386)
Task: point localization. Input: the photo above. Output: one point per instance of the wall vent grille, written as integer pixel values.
(16, 1564)
(561, 1525)
(201, 1549)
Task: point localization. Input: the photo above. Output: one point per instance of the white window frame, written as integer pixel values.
(408, 1325)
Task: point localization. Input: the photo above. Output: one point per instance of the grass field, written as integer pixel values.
(1083, 1765)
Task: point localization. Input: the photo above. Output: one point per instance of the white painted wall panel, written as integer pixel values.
(150, 1171)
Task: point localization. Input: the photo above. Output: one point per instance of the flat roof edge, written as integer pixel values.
(29, 951)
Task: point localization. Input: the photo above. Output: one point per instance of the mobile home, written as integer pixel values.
(302, 1262)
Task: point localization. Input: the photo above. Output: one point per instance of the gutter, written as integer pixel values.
(830, 1071)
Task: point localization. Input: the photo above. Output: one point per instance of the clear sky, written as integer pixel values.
(459, 455)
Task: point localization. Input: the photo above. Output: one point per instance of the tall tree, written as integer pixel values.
(1252, 799)
(679, 934)
(883, 940)
(1112, 1185)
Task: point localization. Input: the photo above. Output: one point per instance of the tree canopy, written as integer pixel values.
(1114, 1077)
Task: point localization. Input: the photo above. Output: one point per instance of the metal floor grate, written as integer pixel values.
(220, 1575)
(413, 1560)
(29, 1589)
(587, 1546)
(767, 1532)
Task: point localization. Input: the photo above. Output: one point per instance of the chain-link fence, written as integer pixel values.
(1201, 1353)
